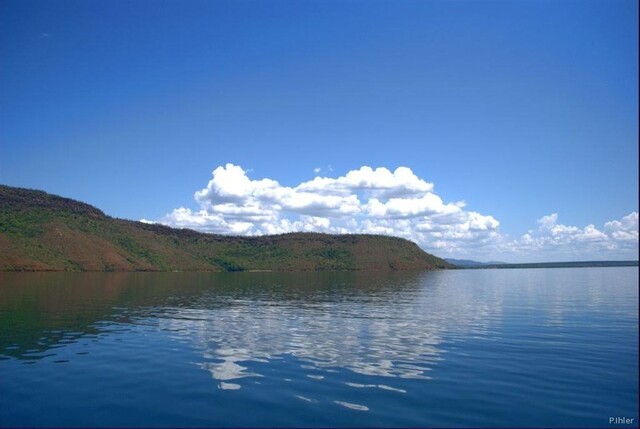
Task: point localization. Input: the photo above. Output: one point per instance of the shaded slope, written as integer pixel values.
(40, 231)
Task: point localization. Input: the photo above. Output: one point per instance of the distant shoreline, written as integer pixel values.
(578, 264)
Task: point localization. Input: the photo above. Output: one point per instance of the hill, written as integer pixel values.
(44, 232)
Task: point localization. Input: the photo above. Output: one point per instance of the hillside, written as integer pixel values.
(44, 232)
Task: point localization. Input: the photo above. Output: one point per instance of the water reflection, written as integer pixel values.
(43, 311)
(390, 325)
(309, 349)
(379, 326)
(387, 325)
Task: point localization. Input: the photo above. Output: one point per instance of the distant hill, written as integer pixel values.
(569, 264)
(44, 232)
(469, 264)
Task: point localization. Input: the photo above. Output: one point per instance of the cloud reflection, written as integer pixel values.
(392, 329)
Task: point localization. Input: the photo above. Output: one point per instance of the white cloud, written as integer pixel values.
(554, 241)
(381, 201)
(379, 182)
(365, 200)
(625, 230)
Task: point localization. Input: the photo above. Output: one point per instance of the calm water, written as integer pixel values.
(554, 347)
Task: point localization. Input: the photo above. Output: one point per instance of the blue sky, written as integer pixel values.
(524, 110)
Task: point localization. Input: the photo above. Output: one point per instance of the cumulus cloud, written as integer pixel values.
(552, 241)
(624, 230)
(381, 201)
(366, 200)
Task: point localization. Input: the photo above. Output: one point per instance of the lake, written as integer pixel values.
(516, 347)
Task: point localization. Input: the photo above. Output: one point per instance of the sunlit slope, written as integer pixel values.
(40, 231)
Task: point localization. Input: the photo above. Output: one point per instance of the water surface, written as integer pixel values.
(522, 347)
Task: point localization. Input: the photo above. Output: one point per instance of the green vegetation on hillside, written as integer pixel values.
(43, 232)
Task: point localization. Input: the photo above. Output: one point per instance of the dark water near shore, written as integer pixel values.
(522, 347)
